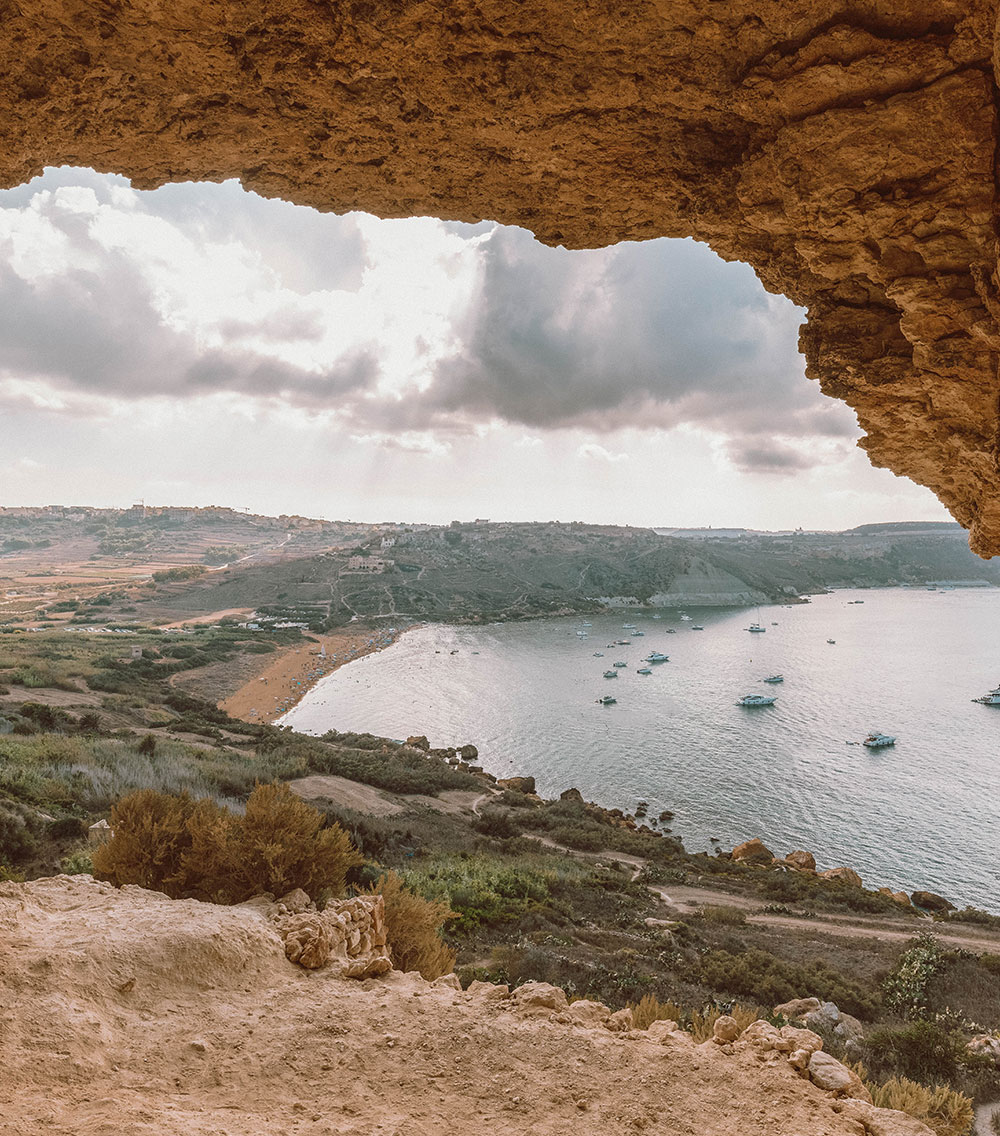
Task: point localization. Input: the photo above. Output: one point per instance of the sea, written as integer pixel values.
(924, 813)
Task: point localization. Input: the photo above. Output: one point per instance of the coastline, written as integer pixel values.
(293, 672)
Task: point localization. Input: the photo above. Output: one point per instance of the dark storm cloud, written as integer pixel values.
(649, 334)
(761, 455)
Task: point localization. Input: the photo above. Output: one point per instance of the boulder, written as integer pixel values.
(490, 991)
(725, 1029)
(518, 784)
(418, 741)
(984, 1045)
(661, 1030)
(571, 795)
(833, 1077)
(588, 1013)
(931, 902)
(450, 981)
(827, 1018)
(844, 875)
(753, 852)
(797, 1009)
(899, 896)
(99, 833)
(468, 753)
(621, 1021)
(801, 861)
(295, 902)
(881, 1121)
(540, 996)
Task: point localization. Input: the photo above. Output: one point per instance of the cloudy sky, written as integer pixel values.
(201, 345)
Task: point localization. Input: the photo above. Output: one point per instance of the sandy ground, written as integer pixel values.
(212, 617)
(289, 674)
(376, 802)
(123, 1013)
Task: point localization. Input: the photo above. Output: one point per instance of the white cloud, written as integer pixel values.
(593, 450)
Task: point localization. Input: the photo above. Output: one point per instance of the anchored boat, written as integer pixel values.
(756, 700)
(879, 741)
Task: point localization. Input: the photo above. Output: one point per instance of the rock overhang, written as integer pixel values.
(847, 155)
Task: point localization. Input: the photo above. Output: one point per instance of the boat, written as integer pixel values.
(656, 657)
(623, 642)
(671, 630)
(586, 623)
(697, 627)
(643, 671)
(686, 618)
(598, 654)
(628, 626)
(879, 741)
(607, 700)
(775, 678)
(637, 634)
(756, 700)
(620, 664)
(756, 628)
(991, 699)
(831, 640)
(610, 674)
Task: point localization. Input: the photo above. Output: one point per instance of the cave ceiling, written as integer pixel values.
(845, 151)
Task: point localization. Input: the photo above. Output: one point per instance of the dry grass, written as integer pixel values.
(649, 1009)
(413, 928)
(703, 1021)
(944, 1111)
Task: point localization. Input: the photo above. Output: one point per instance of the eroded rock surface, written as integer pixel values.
(846, 152)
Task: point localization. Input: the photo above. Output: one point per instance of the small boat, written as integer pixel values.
(620, 664)
(831, 640)
(628, 626)
(637, 634)
(657, 616)
(598, 654)
(671, 630)
(879, 741)
(697, 627)
(610, 674)
(607, 700)
(643, 671)
(756, 700)
(756, 628)
(686, 618)
(991, 699)
(656, 657)
(775, 678)
(624, 642)
(586, 623)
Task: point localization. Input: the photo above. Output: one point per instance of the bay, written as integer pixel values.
(921, 814)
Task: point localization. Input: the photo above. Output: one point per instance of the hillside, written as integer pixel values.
(127, 1012)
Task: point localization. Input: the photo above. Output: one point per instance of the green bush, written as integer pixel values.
(922, 1051)
(905, 987)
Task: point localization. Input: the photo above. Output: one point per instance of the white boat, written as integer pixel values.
(671, 630)
(775, 678)
(656, 657)
(643, 671)
(636, 634)
(598, 654)
(879, 741)
(991, 699)
(607, 700)
(697, 627)
(620, 664)
(831, 640)
(756, 700)
(610, 674)
(756, 628)
(628, 626)
(686, 618)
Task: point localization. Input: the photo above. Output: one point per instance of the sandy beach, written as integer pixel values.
(292, 672)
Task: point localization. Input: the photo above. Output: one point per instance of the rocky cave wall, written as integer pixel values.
(846, 151)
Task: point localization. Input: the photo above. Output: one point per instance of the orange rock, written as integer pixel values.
(753, 852)
(845, 875)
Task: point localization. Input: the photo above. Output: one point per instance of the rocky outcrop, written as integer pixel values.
(348, 935)
(801, 861)
(931, 901)
(842, 875)
(518, 784)
(846, 153)
(753, 852)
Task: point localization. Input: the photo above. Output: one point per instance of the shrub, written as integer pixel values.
(944, 1111)
(198, 849)
(906, 985)
(650, 1009)
(413, 928)
(77, 863)
(147, 746)
(919, 1051)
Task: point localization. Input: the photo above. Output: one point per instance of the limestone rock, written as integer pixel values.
(468, 752)
(899, 896)
(881, 1121)
(844, 875)
(828, 1018)
(419, 741)
(589, 1013)
(540, 995)
(797, 1009)
(99, 833)
(662, 1030)
(295, 902)
(518, 784)
(753, 852)
(803, 861)
(349, 934)
(490, 991)
(985, 1044)
(931, 902)
(620, 1021)
(725, 1029)
(449, 981)
(829, 1074)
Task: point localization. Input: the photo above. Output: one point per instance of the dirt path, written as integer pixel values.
(688, 899)
(284, 678)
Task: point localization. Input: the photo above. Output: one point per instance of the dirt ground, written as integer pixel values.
(284, 677)
(123, 1013)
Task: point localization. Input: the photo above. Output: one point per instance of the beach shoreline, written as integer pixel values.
(285, 678)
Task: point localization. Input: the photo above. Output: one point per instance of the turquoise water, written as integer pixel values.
(923, 814)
